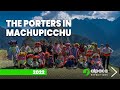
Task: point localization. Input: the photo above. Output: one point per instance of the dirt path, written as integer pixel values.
(58, 73)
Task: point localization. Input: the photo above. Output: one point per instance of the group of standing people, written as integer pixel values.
(60, 55)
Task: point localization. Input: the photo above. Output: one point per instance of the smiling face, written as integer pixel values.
(22, 55)
(107, 45)
(92, 62)
(101, 45)
(95, 57)
(34, 61)
(37, 45)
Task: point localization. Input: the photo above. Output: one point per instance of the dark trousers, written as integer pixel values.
(55, 57)
(76, 62)
(104, 61)
(70, 63)
(102, 57)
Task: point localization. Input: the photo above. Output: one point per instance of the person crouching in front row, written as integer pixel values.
(29, 57)
(21, 60)
(82, 62)
(59, 62)
(70, 62)
(41, 60)
(49, 60)
(35, 63)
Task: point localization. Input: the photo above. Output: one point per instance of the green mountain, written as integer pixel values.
(72, 39)
(115, 58)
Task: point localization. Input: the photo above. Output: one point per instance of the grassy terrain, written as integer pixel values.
(56, 73)
(3, 54)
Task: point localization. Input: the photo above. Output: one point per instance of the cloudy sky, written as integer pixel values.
(38, 15)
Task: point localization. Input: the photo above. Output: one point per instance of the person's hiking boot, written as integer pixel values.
(62, 67)
(68, 67)
(15, 67)
(56, 67)
(75, 67)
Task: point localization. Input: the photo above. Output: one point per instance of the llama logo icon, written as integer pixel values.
(86, 72)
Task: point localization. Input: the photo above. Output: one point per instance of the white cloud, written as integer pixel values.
(82, 17)
(44, 13)
(104, 15)
(62, 15)
(37, 18)
(109, 15)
